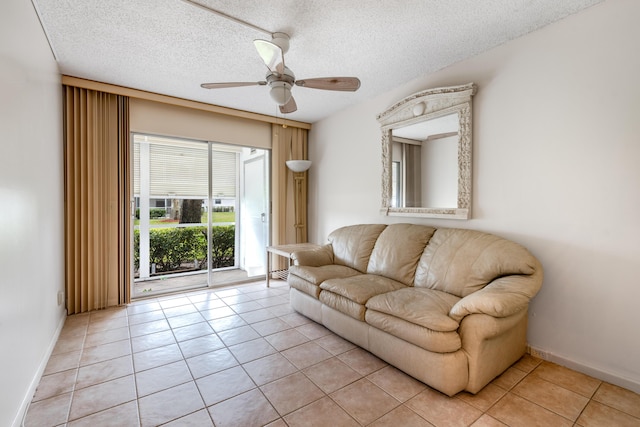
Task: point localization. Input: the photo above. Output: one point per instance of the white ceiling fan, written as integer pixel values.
(281, 79)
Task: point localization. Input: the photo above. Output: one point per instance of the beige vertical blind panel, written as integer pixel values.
(125, 223)
(413, 176)
(289, 189)
(151, 117)
(297, 182)
(97, 224)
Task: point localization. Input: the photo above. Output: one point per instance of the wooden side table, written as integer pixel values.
(286, 251)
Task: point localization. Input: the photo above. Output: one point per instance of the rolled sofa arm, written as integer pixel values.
(314, 257)
(502, 297)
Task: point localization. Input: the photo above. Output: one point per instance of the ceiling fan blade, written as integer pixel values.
(348, 84)
(271, 54)
(289, 107)
(231, 84)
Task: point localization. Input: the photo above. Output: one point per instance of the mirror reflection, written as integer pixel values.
(425, 163)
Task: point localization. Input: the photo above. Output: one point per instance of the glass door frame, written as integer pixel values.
(209, 205)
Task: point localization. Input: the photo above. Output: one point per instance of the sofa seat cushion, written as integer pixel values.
(417, 315)
(349, 295)
(308, 279)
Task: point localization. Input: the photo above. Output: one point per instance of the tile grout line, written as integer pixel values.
(592, 400)
(133, 366)
(75, 383)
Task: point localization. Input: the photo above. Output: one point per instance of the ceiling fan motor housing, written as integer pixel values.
(281, 40)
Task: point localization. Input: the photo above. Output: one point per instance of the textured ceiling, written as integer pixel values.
(170, 46)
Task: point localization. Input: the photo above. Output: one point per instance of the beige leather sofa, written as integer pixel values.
(447, 306)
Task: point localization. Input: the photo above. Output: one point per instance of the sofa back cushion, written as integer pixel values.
(461, 262)
(397, 251)
(352, 245)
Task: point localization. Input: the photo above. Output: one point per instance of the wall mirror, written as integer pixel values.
(426, 154)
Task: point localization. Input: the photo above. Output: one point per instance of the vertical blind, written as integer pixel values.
(289, 189)
(97, 226)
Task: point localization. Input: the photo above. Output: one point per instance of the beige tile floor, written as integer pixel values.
(240, 356)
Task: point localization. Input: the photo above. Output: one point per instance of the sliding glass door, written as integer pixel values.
(195, 209)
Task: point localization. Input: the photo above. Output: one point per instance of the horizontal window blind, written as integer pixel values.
(178, 168)
(224, 171)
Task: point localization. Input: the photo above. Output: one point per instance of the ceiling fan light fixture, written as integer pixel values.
(280, 92)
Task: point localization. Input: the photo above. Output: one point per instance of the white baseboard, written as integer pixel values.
(22, 412)
(603, 375)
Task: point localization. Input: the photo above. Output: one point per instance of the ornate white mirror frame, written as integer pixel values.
(421, 107)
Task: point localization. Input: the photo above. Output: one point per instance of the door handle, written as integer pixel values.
(263, 217)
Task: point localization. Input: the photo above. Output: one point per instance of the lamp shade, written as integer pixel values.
(298, 165)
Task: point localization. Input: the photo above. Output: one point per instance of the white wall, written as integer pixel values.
(556, 153)
(31, 205)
